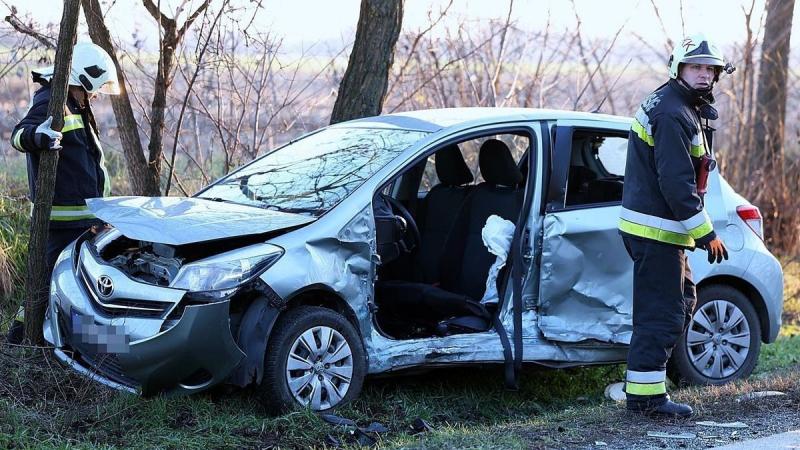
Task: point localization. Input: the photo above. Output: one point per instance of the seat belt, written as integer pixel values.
(510, 369)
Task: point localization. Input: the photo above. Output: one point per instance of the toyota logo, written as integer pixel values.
(105, 287)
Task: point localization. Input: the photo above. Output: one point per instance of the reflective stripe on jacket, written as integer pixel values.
(659, 200)
(81, 171)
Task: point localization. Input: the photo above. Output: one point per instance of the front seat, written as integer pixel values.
(465, 261)
(441, 207)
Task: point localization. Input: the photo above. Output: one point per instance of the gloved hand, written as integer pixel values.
(716, 251)
(47, 138)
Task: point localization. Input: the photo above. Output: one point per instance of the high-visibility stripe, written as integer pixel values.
(696, 220)
(702, 230)
(641, 131)
(698, 147)
(67, 213)
(698, 225)
(652, 221)
(72, 122)
(17, 140)
(102, 164)
(645, 377)
(655, 234)
(645, 388)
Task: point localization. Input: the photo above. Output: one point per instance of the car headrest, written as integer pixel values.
(451, 168)
(497, 165)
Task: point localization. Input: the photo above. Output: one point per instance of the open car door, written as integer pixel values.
(586, 283)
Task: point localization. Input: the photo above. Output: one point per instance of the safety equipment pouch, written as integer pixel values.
(706, 166)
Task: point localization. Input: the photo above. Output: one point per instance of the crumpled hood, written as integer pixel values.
(182, 220)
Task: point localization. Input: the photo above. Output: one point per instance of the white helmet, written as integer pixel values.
(698, 50)
(92, 69)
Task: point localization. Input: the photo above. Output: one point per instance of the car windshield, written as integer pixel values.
(313, 174)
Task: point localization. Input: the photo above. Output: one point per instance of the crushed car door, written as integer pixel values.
(585, 289)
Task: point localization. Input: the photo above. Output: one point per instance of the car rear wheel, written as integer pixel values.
(313, 359)
(723, 341)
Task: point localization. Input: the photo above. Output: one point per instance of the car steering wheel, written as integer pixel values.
(411, 236)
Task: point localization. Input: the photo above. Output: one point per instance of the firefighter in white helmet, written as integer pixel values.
(669, 157)
(81, 171)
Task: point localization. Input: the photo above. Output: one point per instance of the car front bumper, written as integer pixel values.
(145, 355)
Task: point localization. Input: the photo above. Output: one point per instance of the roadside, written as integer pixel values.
(44, 406)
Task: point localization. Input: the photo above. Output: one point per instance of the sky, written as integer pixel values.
(304, 23)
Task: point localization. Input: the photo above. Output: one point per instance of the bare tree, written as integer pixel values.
(37, 283)
(136, 164)
(170, 37)
(767, 154)
(365, 81)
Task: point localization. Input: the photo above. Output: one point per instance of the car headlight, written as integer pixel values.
(224, 273)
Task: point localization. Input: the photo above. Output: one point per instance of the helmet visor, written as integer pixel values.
(110, 87)
(703, 59)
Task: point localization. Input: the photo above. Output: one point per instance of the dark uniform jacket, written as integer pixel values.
(660, 200)
(80, 173)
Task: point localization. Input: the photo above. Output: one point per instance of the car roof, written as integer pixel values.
(433, 120)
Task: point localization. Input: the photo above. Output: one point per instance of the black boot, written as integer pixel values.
(15, 333)
(667, 408)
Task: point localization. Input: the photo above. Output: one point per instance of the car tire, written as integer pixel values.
(326, 356)
(706, 356)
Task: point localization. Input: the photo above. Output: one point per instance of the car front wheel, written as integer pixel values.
(723, 341)
(315, 359)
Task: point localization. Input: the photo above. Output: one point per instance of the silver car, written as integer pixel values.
(365, 248)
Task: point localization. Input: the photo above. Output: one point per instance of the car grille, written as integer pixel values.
(117, 307)
(105, 364)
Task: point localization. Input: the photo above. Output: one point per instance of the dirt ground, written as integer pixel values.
(610, 426)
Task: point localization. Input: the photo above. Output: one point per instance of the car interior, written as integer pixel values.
(593, 175)
(434, 264)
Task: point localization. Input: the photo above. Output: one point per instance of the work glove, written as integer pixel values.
(716, 251)
(47, 138)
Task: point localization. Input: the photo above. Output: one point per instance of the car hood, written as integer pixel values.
(182, 220)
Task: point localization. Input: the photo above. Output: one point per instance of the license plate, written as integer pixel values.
(97, 338)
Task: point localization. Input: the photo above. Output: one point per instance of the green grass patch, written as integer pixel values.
(14, 229)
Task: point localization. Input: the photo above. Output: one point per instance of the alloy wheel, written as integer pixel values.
(718, 339)
(319, 368)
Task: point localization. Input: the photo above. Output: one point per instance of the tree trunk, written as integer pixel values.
(767, 153)
(158, 107)
(363, 87)
(168, 44)
(142, 182)
(37, 285)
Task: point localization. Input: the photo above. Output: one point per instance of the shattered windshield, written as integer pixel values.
(313, 174)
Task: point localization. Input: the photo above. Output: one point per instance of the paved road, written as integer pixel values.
(788, 440)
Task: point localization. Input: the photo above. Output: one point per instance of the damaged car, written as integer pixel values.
(425, 239)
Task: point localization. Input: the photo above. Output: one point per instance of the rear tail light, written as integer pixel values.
(752, 217)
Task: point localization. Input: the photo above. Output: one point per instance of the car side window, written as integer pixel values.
(596, 168)
(470, 150)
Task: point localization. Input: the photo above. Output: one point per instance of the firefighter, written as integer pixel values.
(663, 215)
(81, 171)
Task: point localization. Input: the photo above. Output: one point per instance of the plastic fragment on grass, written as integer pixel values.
(600, 443)
(616, 391)
(711, 423)
(660, 434)
(333, 419)
(759, 394)
(420, 426)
